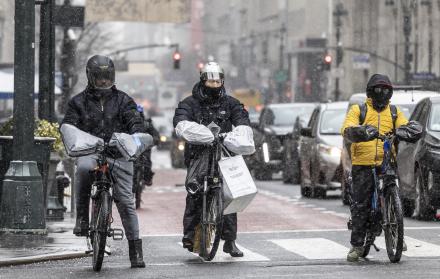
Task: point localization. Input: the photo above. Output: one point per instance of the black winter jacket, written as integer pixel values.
(103, 116)
(226, 112)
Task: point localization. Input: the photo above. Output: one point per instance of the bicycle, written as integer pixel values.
(101, 215)
(211, 223)
(386, 209)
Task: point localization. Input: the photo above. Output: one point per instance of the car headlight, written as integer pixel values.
(266, 152)
(329, 150)
(181, 146)
(163, 138)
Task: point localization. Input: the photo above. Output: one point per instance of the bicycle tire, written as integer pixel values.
(211, 225)
(101, 230)
(394, 230)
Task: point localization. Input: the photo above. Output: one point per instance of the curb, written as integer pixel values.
(43, 258)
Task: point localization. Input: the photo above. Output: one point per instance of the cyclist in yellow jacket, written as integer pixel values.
(378, 118)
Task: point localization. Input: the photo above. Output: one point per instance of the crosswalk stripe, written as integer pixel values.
(416, 248)
(313, 248)
(222, 257)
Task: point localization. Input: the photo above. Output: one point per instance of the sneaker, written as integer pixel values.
(355, 253)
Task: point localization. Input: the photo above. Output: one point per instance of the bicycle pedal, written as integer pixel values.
(107, 250)
(117, 234)
(89, 246)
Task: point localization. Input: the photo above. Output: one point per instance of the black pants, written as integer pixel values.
(361, 194)
(193, 212)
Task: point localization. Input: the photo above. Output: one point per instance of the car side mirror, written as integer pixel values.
(306, 132)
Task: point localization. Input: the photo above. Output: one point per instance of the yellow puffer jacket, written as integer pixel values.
(371, 152)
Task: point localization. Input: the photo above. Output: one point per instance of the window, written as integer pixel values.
(331, 122)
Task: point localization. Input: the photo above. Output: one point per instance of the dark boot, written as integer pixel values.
(232, 249)
(135, 253)
(82, 222)
(187, 243)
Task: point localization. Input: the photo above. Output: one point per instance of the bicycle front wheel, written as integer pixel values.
(211, 225)
(394, 229)
(100, 233)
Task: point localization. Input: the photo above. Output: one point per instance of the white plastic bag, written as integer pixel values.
(238, 186)
(194, 133)
(131, 146)
(79, 143)
(240, 140)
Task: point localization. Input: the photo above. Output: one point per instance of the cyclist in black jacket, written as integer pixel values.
(102, 110)
(209, 103)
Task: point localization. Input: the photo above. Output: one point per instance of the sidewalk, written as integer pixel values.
(58, 244)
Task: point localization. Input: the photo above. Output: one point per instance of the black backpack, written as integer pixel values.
(363, 113)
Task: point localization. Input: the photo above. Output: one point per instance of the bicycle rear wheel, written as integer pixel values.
(394, 229)
(99, 235)
(211, 225)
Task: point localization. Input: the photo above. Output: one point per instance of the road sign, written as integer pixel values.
(338, 72)
(69, 16)
(281, 76)
(361, 61)
(175, 11)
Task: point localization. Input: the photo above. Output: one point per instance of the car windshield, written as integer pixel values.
(434, 120)
(285, 116)
(331, 122)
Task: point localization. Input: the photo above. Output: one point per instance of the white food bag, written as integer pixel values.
(238, 186)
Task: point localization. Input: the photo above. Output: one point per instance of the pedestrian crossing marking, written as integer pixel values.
(313, 248)
(416, 248)
(222, 257)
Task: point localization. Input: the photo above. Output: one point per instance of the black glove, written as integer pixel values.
(361, 133)
(410, 132)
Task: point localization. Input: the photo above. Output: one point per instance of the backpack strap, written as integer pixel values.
(363, 113)
(393, 109)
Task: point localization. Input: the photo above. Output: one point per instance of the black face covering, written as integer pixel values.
(212, 93)
(101, 93)
(380, 97)
(380, 105)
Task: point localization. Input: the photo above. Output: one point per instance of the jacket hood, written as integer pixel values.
(198, 93)
(378, 79)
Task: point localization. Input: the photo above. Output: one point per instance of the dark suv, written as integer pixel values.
(274, 127)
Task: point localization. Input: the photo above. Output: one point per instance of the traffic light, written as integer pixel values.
(200, 66)
(176, 59)
(327, 63)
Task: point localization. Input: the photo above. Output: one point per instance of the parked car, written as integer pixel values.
(405, 98)
(320, 150)
(177, 151)
(418, 163)
(275, 123)
(292, 169)
(164, 126)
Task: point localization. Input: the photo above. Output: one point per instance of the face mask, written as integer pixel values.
(214, 93)
(100, 93)
(380, 104)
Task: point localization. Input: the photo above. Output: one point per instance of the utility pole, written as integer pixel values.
(428, 4)
(22, 200)
(338, 13)
(406, 9)
(46, 95)
(282, 80)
